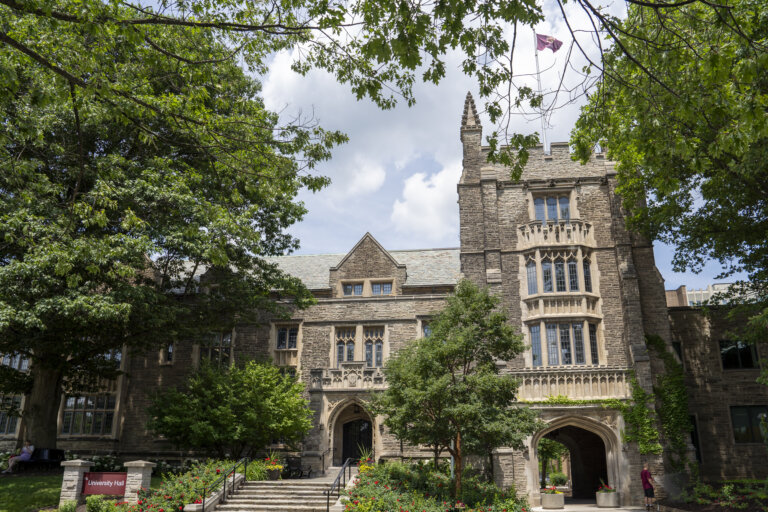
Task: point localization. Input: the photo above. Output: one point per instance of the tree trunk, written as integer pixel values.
(41, 414)
(459, 467)
(490, 464)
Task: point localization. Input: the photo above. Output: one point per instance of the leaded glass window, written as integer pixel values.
(345, 344)
(552, 350)
(552, 208)
(538, 205)
(746, 423)
(587, 276)
(578, 343)
(546, 275)
(530, 269)
(375, 337)
(565, 208)
(287, 337)
(10, 408)
(573, 275)
(536, 345)
(560, 275)
(217, 348)
(381, 288)
(88, 414)
(565, 343)
(593, 343)
(369, 354)
(353, 289)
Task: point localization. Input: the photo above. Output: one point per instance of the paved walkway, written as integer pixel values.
(572, 505)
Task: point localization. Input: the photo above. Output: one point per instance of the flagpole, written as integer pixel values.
(541, 110)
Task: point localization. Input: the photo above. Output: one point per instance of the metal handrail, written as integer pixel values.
(223, 478)
(341, 478)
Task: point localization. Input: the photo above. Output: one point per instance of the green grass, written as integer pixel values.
(27, 493)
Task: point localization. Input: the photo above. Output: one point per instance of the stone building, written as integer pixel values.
(582, 289)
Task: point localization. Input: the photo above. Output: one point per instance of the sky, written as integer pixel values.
(396, 177)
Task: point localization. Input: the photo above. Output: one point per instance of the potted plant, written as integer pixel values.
(274, 466)
(607, 497)
(552, 498)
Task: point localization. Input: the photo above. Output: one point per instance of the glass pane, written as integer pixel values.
(226, 339)
(339, 352)
(358, 289)
(24, 364)
(101, 401)
(538, 205)
(560, 275)
(756, 414)
(587, 276)
(426, 329)
(746, 355)
(729, 353)
(530, 268)
(12, 421)
(377, 289)
(282, 338)
(551, 208)
(565, 208)
(7, 360)
(88, 423)
(379, 353)
(80, 402)
(578, 343)
(740, 419)
(293, 336)
(386, 288)
(108, 420)
(348, 289)
(350, 351)
(77, 423)
(573, 276)
(552, 352)
(536, 345)
(66, 425)
(593, 343)
(169, 353)
(70, 404)
(90, 401)
(546, 275)
(111, 401)
(369, 354)
(565, 343)
(98, 421)
(4, 423)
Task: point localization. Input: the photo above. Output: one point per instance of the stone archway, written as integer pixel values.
(351, 428)
(595, 452)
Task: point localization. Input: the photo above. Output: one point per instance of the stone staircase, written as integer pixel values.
(281, 495)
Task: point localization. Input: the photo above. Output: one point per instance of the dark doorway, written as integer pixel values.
(588, 459)
(357, 435)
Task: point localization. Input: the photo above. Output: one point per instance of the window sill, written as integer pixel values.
(86, 437)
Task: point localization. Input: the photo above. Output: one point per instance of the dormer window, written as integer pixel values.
(381, 288)
(354, 289)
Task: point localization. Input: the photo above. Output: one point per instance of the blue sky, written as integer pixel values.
(397, 175)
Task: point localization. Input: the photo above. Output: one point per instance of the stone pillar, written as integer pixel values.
(72, 483)
(138, 477)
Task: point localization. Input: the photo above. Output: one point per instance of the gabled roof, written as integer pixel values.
(368, 236)
(426, 267)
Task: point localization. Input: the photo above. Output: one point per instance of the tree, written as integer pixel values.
(446, 390)
(691, 140)
(549, 450)
(111, 213)
(232, 411)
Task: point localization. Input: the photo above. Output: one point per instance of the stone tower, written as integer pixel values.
(581, 288)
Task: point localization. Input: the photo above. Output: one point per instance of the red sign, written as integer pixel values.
(104, 483)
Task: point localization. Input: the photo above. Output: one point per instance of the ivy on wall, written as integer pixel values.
(640, 419)
(673, 403)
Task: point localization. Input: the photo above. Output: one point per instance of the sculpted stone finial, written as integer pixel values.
(470, 120)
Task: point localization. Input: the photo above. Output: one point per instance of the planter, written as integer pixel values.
(552, 500)
(607, 499)
(274, 474)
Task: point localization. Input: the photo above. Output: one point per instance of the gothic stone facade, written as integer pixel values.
(582, 289)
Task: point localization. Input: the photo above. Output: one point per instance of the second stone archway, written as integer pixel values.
(352, 431)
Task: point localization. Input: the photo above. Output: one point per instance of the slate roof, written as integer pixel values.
(427, 267)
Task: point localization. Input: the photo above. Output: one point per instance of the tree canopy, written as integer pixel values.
(690, 140)
(232, 412)
(114, 216)
(464, 404)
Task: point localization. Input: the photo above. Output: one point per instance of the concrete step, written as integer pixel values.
(270, 508)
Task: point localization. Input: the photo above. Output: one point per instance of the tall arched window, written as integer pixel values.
(587, 276)
(350, 351)
(345, 344)
(379, 353)
(538, 206)
(560, 274)
(369, 354)
(565, 209)
(339, 353)
(552, 209)
(573, 275)
(530, 269)
(546, 275)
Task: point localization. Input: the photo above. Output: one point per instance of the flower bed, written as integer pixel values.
(402, 487)
(733, 496)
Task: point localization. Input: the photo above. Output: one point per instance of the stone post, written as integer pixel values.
(139, 475)
(72, 483)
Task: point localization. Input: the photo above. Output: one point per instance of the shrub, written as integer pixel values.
(98, 504)
(68, 506)
(106, 463)
(4, 456)
(558, 478)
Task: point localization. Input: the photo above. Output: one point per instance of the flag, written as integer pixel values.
(543, 42)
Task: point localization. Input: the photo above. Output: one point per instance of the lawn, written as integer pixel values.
(29, 493)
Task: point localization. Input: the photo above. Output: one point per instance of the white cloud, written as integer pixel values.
(428, 208)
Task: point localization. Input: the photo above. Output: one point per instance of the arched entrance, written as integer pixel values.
(594, 453)
(352, 432)
(587, 457)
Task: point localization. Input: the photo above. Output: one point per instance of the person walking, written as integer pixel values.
(648, 481)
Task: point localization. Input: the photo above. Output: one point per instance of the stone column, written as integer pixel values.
(72, 483)
(139, 475)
